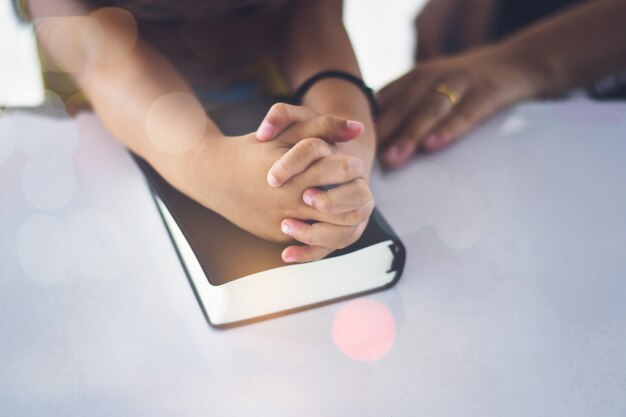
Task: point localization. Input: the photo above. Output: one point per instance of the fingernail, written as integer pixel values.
(287, 258)
(265, 131)
(392, 154)
(285, 228)
(308, 199)
(431, 140)
(272, 180)
(354, 125)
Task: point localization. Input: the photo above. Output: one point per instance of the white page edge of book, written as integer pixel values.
(283, 288)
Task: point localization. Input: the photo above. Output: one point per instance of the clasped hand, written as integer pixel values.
(270, 182)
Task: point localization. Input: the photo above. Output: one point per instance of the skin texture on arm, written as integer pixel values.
(567, 50)
(575, 47)
(137, 93)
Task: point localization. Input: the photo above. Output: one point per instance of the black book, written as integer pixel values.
(238, 277)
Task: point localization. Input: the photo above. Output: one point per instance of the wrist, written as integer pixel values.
(339, 97)
(345, 77)
(532, 72)
(345, 100)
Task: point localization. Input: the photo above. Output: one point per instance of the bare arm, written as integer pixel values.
(136, 92)
(574, 47)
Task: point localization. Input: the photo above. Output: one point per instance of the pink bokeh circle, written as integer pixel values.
(364, 330)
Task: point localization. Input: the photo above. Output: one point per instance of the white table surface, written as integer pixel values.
(513, 301)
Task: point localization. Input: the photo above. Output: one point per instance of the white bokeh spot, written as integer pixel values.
(513, 124)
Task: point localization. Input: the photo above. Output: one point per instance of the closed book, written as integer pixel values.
(238, 277)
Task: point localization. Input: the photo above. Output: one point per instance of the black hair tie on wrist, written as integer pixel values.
(342, 75)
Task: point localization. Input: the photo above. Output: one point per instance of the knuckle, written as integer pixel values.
(279, 111)
(328, 123)
(312, 145)
(306, 146)
(349, 167)
(325, 204)
(345, 167)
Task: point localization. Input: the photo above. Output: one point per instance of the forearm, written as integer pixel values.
(134, 90)
(140, 100)
(316, 40)
(575, 47)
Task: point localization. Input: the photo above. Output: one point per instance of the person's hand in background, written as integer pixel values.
(414, 114)
(319, 154)
(439, 101)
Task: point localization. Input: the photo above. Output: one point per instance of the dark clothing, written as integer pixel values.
(514, 15)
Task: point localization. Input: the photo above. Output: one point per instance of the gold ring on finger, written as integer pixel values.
(445, 90)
